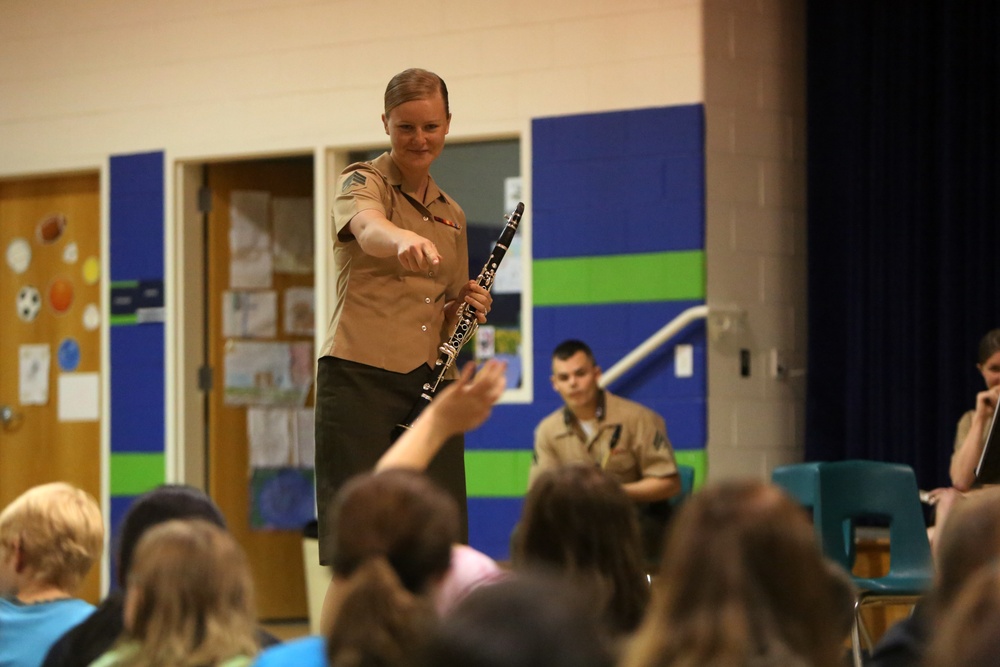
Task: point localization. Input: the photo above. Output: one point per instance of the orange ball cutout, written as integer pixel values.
(60, 295)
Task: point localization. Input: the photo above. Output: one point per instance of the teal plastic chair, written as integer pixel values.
(686, 474)
(853, 491)
(800, 481)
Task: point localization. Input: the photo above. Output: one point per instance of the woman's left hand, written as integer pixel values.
(478, 297)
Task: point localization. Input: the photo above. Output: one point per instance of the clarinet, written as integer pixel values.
(467, 323)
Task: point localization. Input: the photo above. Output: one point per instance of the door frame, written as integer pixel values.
(187, 443)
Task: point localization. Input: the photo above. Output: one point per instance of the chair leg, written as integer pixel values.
(856, 635)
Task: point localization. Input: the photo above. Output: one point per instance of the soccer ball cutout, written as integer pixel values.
(29, 303)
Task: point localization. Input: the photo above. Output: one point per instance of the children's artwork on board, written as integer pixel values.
(250, 260)
(34, 362)
(300, 311)
(293, 234)
(258, 373)
(281, 498)
(249, 314)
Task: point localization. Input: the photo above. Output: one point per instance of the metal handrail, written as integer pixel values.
(648, 346)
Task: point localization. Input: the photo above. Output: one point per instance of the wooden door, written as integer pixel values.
(50, 235)
(275, 555)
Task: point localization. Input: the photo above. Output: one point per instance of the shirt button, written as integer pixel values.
(423, 328)
(426, 218)
(427, 299)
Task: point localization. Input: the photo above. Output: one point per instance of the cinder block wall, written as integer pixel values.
(756, 230)
(80, 81)
(231, 79)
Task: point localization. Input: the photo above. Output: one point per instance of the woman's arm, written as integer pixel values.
(966, 457)
(378, 237)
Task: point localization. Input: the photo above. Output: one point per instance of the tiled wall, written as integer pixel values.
(80, 81)
(237, 78)
(618, 251)
(755, 229)
(137, 348)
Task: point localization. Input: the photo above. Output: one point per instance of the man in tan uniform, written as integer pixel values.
(627, 440)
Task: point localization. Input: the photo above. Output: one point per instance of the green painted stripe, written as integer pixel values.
(124, 283)
(503, 473)
(497, 473)
(697, 459)
(133, 473)
(660, 276)
(119, 320)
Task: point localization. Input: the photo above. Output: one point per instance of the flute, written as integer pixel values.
(467, 323)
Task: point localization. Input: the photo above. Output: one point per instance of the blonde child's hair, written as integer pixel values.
(59, 530)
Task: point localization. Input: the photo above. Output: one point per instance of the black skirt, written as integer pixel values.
(357, 409)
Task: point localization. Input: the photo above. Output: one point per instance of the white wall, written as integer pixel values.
(756, 229)
(81, 80)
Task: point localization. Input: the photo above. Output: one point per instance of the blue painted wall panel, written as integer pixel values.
(118, 508)
(598, 174)
(138, 398)
(136, 229)
(491, 521)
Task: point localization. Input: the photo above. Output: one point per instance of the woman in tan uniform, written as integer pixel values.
(402, 272)
(970, 434)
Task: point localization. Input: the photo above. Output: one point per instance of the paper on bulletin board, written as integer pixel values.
(250, 258)
(270, 434)
(79, 397)
(281, 498)
(300, 311)
(305, 437)
(281, 437)
(277, 374)
(249, 314)
(34, 362)
(293, 234)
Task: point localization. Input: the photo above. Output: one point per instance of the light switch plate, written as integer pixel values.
(683, 361)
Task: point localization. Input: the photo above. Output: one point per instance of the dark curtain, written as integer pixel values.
(904, 231)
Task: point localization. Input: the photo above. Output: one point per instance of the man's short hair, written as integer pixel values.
(568, 348)
(60, 531)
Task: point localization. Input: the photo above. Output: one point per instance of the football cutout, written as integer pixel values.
(50, 228)
(29, 303)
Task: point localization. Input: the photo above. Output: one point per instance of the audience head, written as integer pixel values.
(189, 599)
(969, 540)
(170, 501)
(743, 580)
(989, 358)
(392, 534)
(55, 533)
(414, 84)
(577, 520)
(523, 621)
(968, 634)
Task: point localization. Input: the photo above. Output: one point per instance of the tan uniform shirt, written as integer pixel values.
(630, 442)
(961, 431)
(384, 315)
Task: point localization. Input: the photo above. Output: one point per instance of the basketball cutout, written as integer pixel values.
(60, 295)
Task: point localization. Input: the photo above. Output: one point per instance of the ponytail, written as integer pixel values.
(377, 622)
